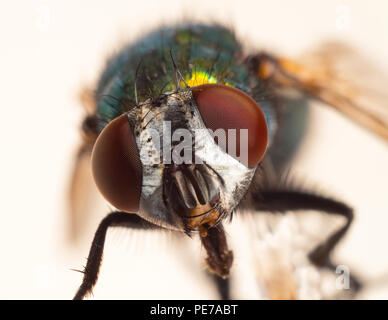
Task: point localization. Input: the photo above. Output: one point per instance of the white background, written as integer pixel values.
(50, 49)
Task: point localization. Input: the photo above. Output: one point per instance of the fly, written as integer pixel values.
(197, 83)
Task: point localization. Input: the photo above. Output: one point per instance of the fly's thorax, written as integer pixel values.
(171, 135)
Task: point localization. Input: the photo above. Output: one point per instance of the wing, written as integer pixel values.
(273, 260)
(78, 192)
(81, 184)
(338, 76)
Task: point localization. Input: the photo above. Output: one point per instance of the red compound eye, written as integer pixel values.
(116, 165)
(224, 107)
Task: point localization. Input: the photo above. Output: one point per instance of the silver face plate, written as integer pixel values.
(154, 123)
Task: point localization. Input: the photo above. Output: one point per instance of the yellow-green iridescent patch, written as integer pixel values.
(201, 77)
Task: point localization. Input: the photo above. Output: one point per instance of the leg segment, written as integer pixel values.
(96, 251)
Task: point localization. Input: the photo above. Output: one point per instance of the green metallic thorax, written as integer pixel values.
(196, 49)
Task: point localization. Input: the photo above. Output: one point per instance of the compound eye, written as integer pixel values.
(224, 107)
(116, 165)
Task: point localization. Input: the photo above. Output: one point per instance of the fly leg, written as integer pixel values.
(281, 201)
(96, 251)
(219, 257)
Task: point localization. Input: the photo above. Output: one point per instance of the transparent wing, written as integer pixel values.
(81, 187)
(79, 193)
(272, 256)
(340, 77)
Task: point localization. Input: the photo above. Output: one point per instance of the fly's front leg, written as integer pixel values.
(219, 257)
(96, 251)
